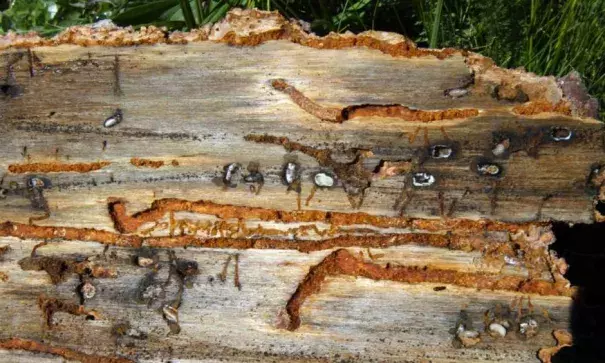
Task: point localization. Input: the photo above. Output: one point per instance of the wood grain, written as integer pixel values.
(368, 112)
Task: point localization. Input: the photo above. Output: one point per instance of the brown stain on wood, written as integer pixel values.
(55, 167)
(309, 106)
(339, 115)
(542, 106)
(153, 164)
(50, 305)
(563, 338)
(146, 163)
(342, 262)
(27, 231)
(69, 354)
(58, 268)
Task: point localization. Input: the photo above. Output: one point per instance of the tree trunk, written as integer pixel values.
(253, 192)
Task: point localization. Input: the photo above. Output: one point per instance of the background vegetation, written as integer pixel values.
(549, 37)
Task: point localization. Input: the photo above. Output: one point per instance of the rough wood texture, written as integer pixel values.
(193, 228)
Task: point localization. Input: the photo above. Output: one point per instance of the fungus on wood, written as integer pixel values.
(250, 190)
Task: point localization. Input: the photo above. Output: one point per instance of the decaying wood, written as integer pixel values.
(249, 191)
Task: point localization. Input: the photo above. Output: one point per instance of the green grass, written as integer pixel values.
(550, 37)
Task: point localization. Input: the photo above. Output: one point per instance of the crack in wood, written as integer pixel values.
(117, 88)
(125, 223)
(343, 262)
(412, 137)
(52, 128)
(455, 201)
(441, 199)
(493, 197)
(223, 275)
(532, 257)
(70, 354)
(339, 115)
(403, 200)
(4, 249)
(305, 246)
(30, 62)
(10, 88)
(113, 239)
(527, 243)
(543, 201)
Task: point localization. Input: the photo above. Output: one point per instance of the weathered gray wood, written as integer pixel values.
(356, 318)
(194, 108)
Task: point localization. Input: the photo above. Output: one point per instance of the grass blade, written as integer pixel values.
(436, 22)
(188, 14)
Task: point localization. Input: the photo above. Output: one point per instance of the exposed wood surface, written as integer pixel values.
(372, 268)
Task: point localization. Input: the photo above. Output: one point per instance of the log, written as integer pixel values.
(249, 191)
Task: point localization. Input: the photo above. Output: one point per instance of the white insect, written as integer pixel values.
(114, 119)
(170, 314)
(144, 261)
(499, 149)
(497, 329)
(323, 180)
(456, 92)
(291, 173)
(230, 171)
(511, 261)
(88, 290)
(528, 327)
